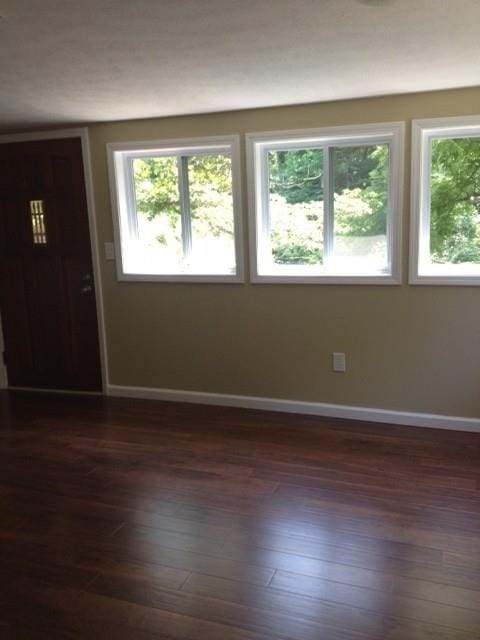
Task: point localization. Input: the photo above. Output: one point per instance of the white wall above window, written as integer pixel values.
(326, 204)
(445, 221)
(177, 209)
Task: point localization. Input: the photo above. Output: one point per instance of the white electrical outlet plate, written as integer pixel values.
(339, 362)
(109, 251)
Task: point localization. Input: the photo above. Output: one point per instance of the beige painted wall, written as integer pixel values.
(408, 348)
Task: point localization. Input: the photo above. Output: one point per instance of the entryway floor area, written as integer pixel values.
(126, 519)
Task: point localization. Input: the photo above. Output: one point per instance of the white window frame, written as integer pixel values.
(423, 131)
(123, 207)
(391, 133)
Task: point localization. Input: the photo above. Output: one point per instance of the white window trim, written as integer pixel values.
(393, 132)
(422, 132)
(184, 145)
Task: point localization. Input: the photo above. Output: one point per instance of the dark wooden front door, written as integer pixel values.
(47, 297)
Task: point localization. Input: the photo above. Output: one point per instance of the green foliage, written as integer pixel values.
(297, 176)
(360, 201)
(360, 185)
(209, 177)
(455, 200)
(296, 231)
(360, 167)
(296, 200)
(156, 187)
(296, 253)
(353, 214)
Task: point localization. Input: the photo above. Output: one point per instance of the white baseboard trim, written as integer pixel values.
(388, 416)
(65, 392)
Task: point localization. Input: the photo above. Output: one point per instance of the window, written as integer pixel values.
(176, 210)
(445, 232)
(326, 204)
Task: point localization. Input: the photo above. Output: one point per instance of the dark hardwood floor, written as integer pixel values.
(142, 520)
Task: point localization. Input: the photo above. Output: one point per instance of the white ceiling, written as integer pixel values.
(70, 61)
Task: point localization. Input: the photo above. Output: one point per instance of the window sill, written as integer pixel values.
(187, 278)
(453, 280)
(327, 279)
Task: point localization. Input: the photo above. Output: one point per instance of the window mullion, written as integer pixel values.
(390, 217)
(132, 217)
(266, 219)
(328, 223)
(185, 213)
(425, 173)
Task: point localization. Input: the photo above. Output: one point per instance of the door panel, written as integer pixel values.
(47, 296)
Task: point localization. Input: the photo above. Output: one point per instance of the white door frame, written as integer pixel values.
(81, 133)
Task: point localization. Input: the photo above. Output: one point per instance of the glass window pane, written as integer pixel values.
(360, 206)
(158, 248)
(295, 225)
(455, 202)
(211, 211)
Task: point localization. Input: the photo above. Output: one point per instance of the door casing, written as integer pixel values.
(81, 133)
(3, 368)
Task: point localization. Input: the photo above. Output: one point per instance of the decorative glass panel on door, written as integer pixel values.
(37, 213)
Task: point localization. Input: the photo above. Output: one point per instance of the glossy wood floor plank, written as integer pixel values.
(145, 520)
